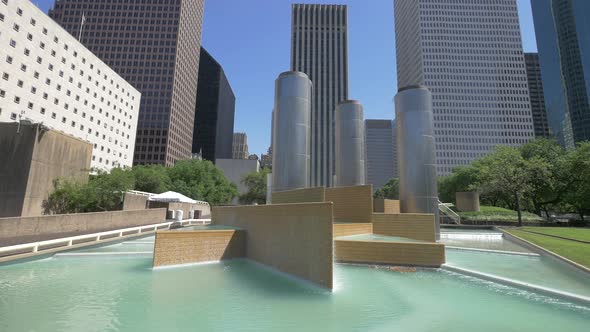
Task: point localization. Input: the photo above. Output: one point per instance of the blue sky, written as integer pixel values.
(251, 41)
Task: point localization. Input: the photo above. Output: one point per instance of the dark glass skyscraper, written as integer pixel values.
(533, 73)
(563, 39)
(214, 116)
(154, 45)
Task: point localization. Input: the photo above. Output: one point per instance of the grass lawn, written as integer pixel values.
(492, 213)
(575, 251)
(570, 232)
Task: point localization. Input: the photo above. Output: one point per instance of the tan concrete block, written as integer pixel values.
(409, 225)
(293, 238)
(395, 253)
(307, 195)
(185, 247)
(381, 205)
(351, 204)
(345, 229)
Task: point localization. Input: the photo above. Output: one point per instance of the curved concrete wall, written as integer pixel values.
(416, 152)
(350, 144)
(291, 131)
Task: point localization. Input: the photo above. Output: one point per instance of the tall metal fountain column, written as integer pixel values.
(418, 190)
(350, 144)
(291, 132)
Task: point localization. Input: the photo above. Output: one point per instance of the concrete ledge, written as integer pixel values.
(345, 229)
(543, 251)
(19, 230)
(395, 253)
(186, 247)
(49, 252)
(517, 284)
(495, 251)
(292, 238)
(409, 225)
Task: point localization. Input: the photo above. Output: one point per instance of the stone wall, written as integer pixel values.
(467, 201)
(184, 247)
(19, 230)
(409, 225)
(292, 238)
(134, 202)
(395, 253)
(381, 205)
(31, 160)
(351, 204)
(204, 209)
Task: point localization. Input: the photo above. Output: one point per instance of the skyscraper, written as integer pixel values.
(533, 72)
(214, 116)
(319, 48)
(380, 149)
(563, 39)
(48, 77)
(240, 146)
(469, 54)
(154, 45)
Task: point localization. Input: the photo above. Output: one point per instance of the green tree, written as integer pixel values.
(201, 180)
(390, 190)
(103, 192)
(506, 171)
(151, 178)
(578, 165)
(551, 180)
(463, 178)
(109, 188)
(256, 183)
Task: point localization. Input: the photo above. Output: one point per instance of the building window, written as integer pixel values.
(19, 11)
(15, 27)
(8, 59)
(33, 22)
(19, 83)
(1, 17)
(12, 116)
(17, 100)
(5, 76)
(53, 115)
(42, 110)
(12, 43)
(2, 93)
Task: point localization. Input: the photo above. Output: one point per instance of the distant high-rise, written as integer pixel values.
(533, 72)
(563, 40)
(154, 45)
(214, 116)
(469, 55)
(380, 149)
(240, 146)
(319, 48)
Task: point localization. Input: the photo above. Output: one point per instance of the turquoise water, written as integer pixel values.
(88, 294)
(375, 237)
(479, 239)
(541, 271)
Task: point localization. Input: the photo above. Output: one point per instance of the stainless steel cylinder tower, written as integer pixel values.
(291, 131)
(350, 144)
(418, 191)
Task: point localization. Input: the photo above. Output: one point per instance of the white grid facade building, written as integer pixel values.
(48, 77)
(469, 54)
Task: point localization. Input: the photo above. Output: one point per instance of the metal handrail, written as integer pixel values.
(445, 208)
(69, 241)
